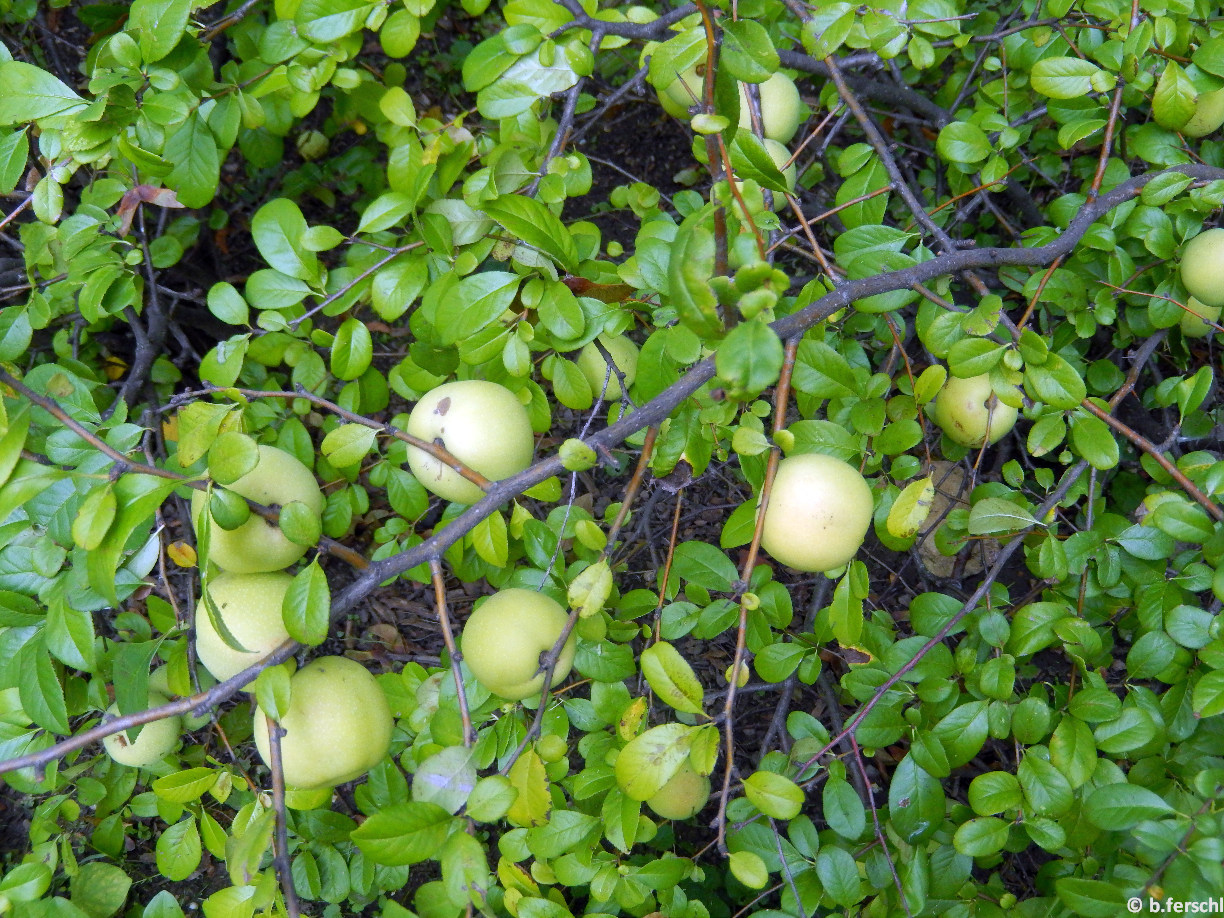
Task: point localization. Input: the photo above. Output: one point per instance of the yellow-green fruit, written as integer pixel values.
(683, 796)
(159, 682)
(503, 639)
(1196, 321)
(682, 93)
(1208, 114)
(781, 108)
(156, 740)
(250, 607)
(961, 411)
(481, 424)
(337, 728)
(1202, 267)
(818, 514)
(258, 545)
(595, 368)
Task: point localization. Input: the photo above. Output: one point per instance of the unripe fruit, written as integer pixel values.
(682, 93)
(962, 412)
(337, 728)
(503, 639)
(818, 515)
(156, 739)
(1198, 321)
(781, 108)
(250, 607)
(258, 545)
(159, 682)
(1202, 267)
(595, 368)
(683, 796)
(481, 424)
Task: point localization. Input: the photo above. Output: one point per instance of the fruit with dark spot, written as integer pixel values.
(481, 424)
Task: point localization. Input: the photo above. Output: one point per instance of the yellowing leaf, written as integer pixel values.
(911, 509)
(774, 795)
(671, 677)
(532, 806)
(652, 759)
(590, 590)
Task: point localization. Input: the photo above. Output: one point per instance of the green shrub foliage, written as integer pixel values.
(284, 223)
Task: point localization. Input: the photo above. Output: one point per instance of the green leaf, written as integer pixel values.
(446, 778)
(962, 142)
(94, 518)
(1090, 898)
(843, 810)
(476, 303)
(839, 875)
(704, 565)
(31, 93)
(689, 271)
(1208, 698)
(13, 152)
(163, 905)
(998, 515)
(915, 802)
(981, 836)
(403, 833)
(278, 228)
(465, 869)
(385, 211)
(652, 759)
(231, 456)
(776, 662)
(532, 222)
(1093, 439)
(774, 795)
(995, 792)
(347, 445)
(39, 687)
(1063, 77)
(1119, 807)
(352, 350)
(185, 786)
(16, 332)
(70, 635)
(489, 538)
(99, 889)
(192, 149)
(749, 869)
(306, 607)
(273, 692)
(1073, 751)
(160, 25)
(327, 21)
(747, 52)
(672, 679)
(1055, 382)
(227, 304)
(750, 358)
(1173, 101)
(300, 524)
(178, 850)
(1048, 792)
